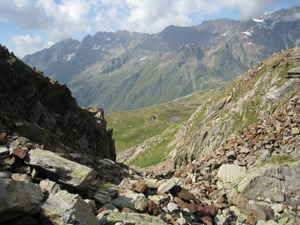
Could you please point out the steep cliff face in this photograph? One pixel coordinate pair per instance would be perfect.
(250, 98)
(44, 111)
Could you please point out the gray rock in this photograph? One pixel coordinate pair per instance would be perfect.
(132, 201)
(172, 207)
(4, 150)
(18, 198)
(131, 218)
(271, 181)
(166, 186)
(91, 203)
(66, 208)
(110, 206)
(49, 187)
(5, 174)
(220, 220)
(181, 221)
(231, 173)
(20, 177)
(244, 150)
(68, 172)
(101, 197)
(295, 130)
(269, 222)
(158, 199)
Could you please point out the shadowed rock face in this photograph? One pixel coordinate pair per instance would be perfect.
(44, 111)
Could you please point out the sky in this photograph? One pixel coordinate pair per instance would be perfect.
(28, 26)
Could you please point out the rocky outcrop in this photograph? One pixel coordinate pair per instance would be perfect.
(44, 111)
(251, 97)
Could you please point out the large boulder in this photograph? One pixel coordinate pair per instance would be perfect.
(271, 181)
(18, 198)
(229, 175)
(66, 208)
(61, 169)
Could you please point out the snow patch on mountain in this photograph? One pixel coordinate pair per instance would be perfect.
(247, 33)
(70, 56)
(258, 20)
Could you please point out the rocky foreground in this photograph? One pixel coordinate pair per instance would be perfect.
(253, 178)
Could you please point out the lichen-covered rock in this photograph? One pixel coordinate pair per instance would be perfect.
(132, 201)
(271, 182)
(64, 170)
(18, 198)
(231, 173)
(66, 208)
(131, 218)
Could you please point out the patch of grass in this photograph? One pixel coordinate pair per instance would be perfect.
(157, 153)
(103, 186)
(281, 159)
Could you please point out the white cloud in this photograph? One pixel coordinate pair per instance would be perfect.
(65, 18)
(291, 18)
(61, 20)
(57, 20)
(154, 15)
(28, 44)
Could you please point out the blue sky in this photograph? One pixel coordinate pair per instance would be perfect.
(28, 26)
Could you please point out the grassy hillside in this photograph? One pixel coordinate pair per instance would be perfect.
(153, 127)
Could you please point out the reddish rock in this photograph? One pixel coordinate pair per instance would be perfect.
(251, 219)
(182, 193)
(127, 210)
(102, 209)
(3, 136)
(188, 180)
(9, 161)
(140, 186)
(20, 152)
(206, 220)
(191, 207)
(221, 199)
(208, 210)
(171, 221)
(152, 208)
(241, 203)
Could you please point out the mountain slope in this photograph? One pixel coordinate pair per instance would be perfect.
(248, 99)
(219, 114)
(125, 70)
(44, 111)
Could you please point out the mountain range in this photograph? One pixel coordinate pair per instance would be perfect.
(127, 70)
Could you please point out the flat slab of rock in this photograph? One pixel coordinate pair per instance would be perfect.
(131, 218)
(66, 208)
(18, 198)
(66, 171)
(166, 186)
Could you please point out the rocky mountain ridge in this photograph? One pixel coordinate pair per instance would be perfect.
(128, 70)
(44, 111)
